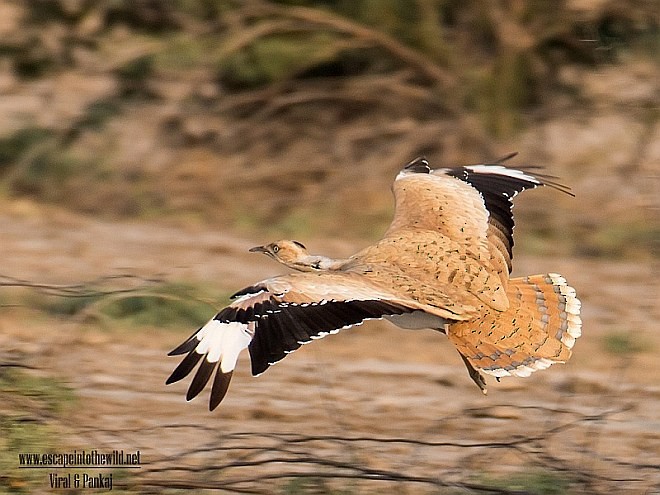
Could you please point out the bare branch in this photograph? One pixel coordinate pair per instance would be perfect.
(316, 17)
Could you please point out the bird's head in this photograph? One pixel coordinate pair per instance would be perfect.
(290, 253)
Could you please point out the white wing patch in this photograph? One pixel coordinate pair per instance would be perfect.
(223, 342)
(500, 170)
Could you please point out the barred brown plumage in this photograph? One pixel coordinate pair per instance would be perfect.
(443, 264)
(538, 329)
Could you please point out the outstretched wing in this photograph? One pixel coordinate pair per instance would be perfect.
(437, 202)
(439, 234)
(471, 205)
(274, 318)
(498, 185)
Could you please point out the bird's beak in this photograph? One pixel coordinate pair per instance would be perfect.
(258, 249)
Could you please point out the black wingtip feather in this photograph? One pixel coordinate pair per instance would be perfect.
(185, 347)
(506, 157)
(258, 363)
(531, 170)
(184, 368)
(219, 389)
(201, 379)
(252, 289)
(419, 165)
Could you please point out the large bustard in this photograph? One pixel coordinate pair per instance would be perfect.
(443, 264)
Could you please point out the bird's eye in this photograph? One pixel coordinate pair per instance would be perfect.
(276, 249)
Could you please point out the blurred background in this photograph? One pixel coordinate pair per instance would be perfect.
(146, 145)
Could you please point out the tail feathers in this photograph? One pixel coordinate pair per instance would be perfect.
(538, 330)
(217, 345)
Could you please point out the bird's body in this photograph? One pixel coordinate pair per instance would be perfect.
(443, 263)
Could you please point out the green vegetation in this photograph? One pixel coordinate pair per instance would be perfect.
(17, 436)
(174, 306)
(16, 145)
(46, 394)
(169, 305)
(312, 486)
(45, 175)
(134, 77)
(32, 412)
(532, 482)
(277, 58)
(624, 344)
(222, 89)
(97, 114)
(59, 305)
(617, 240)
(22, 431)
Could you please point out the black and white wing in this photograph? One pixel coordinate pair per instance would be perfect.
(498, 185)
(274, 318)
(475, 209)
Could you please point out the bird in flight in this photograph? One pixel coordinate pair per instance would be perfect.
(443, 263)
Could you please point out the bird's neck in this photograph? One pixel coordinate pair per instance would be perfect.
(315, 263)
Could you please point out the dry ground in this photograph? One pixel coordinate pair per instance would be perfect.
(374, 408)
